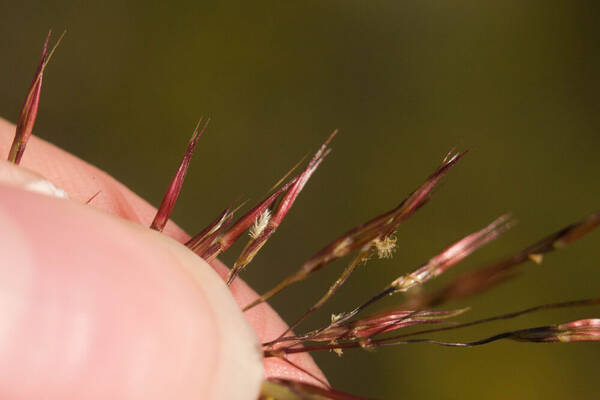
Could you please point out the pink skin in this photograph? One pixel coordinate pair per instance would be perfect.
(77, 259)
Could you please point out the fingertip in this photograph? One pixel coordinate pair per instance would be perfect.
(93, 307)
(269, 325)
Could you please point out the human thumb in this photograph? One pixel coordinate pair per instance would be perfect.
(95, 307)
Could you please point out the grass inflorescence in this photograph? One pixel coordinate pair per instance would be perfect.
(355, 328)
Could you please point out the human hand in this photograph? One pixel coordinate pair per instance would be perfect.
(95, 305)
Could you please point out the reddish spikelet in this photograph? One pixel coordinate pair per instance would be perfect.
(242, 224)
(290, 197)
(449, 257)
(480, 280)
(172, 193)
(257, 242)
(365, 236)
(381, 226)
(382, 322)
(29, 111)
(511, 315)
(201, 240)
(586, 330)
(452, 255)
(583, 330)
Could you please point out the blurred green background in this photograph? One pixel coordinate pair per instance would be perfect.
(516, 82)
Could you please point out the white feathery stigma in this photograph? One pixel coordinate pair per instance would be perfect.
(260, 224)
(385, 247)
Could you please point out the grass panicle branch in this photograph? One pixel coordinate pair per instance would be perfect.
(342, 325)
(585, 330)
(543, 307)
(438, 264)
(210, 247)
(364, 236)
(401, 318)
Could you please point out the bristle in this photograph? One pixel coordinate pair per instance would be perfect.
(172, 193)
(88, 201)
(286, 175)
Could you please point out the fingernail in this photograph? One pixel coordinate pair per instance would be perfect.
(45, 187)
(96, 307)
(14, 175)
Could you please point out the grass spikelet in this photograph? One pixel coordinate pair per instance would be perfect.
(452, 255)
(172, 193)
(223, 242)
(381, 322)
(583, 330)
(288, 199)
(29, 111)
(211, 241)
(202, 239)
